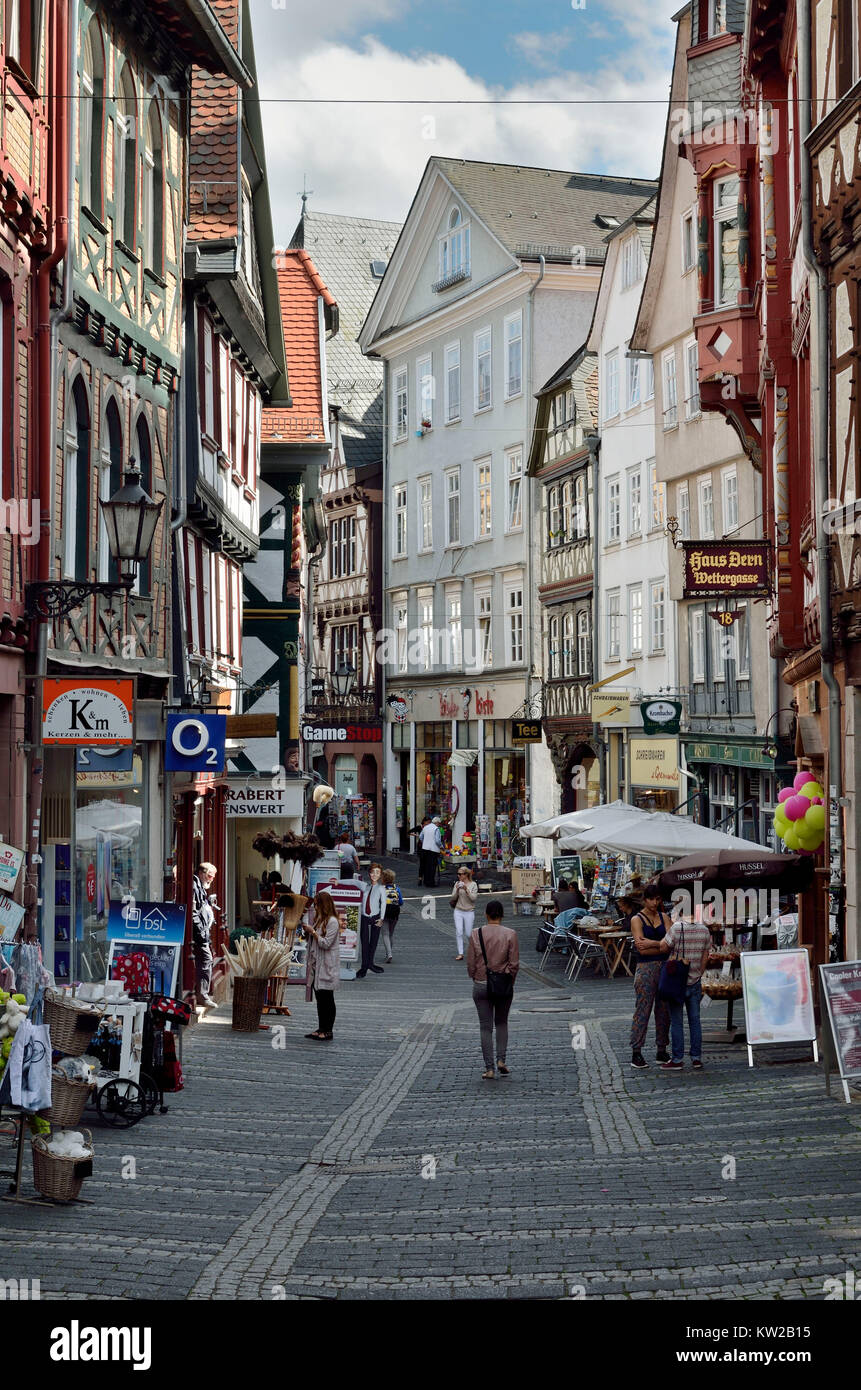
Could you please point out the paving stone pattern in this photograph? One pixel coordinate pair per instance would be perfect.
(382, 1166)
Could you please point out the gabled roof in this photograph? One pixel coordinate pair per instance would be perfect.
(644, 222)
(342, 248)
(541, 211)
(213, 155)
(580, 374)
(300, 288)
(195, 27)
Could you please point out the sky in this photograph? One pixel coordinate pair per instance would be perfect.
(612, 57)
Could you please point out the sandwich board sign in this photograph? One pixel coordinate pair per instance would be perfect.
(841, 989)
(778, 999)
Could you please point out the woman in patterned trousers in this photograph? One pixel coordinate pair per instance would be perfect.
(649, 927)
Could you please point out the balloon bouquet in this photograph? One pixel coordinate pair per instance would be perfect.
(799, 818)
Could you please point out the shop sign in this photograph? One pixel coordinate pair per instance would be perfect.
(726, 567)
(195, 743)
(526, 730)
(242, 800)
(841, 987)
(106, 774)
(654, 762)
(778, 999)
(11, 916)
(610, 709)
(742, 755)
(661, 716)
(343, 733)
(87, 711)
(398, 707)
(136, 920)
(11, 860)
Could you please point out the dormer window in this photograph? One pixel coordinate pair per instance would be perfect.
(453, 251)
(606, 220)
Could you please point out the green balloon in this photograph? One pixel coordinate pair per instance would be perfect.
(811, 789)
(815, 817)
(791, 838)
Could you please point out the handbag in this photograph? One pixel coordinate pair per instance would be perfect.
(673, 979)
(500, 985)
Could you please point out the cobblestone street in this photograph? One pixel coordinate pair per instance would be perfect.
(383, 1166)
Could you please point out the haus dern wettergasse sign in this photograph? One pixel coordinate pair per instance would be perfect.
(726, 567)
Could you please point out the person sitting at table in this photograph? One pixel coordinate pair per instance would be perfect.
(567, 895)
(690, 941)
(649, 925)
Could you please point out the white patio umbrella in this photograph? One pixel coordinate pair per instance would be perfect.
(573, 821)
(653, 832)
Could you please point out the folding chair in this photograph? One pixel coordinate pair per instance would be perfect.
(558, 935)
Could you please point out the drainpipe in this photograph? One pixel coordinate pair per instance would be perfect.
(820, 435)
(594, 443)
(527, 511)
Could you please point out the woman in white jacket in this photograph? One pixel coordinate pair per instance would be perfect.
(373, 916)
(463, 901)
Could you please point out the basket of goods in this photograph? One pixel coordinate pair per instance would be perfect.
(723, 954)
(61, 1163)
(255, 961)
(721, 987)
(71, 1086)
(72, 1022)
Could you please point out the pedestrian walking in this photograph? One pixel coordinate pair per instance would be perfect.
(324, 962)
(349, 857)
(493, 960)
(202, 918)
(418, 831)
(463, 901)
(690, 943)
(373, 916)
(394, 903)
(431, 844)
(649, 926)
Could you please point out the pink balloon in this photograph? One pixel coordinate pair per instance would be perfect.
(817, 801)
(785, 793)
(801, 778)
(796, 807)
(809, 852)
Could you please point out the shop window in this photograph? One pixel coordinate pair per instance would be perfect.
(110, 843)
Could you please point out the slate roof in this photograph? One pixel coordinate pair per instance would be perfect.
(342, 249)
(545, 211)
(299, 287)
(213, 193)
(581, 372)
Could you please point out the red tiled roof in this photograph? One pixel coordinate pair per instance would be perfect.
(214, 144)
(299, 287)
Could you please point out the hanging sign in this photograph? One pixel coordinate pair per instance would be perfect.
(11, 860)
(11, 916)
(146, 921)
(84, 711)
(841, 990)
(343, 733)
(726, 567)
(778, 999)
(195, 742)
(526, 730)
(610, 709)
(661, 716)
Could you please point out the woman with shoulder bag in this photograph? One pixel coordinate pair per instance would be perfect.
(649, 926)
(493, 960)
(463, 901)
(324, 963)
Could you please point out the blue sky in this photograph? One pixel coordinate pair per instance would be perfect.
(366, 159)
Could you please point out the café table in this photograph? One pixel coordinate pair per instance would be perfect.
(615, 944)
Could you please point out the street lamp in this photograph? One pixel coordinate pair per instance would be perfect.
(130, 518)
(343, 679)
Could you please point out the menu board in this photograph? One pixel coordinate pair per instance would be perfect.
(566, 866)
(778, 999)
(841, 989)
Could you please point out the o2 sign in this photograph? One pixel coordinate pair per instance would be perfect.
(195, 742)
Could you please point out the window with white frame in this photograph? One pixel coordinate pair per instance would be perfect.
(514, 473)
(425, 603)
(554, 516)
(454, 247)
(614, 624)
(484, 612)
(514, 623)
(614, 521)
(581, 516)
(483, 514)
(635, 502)
(424, 391)
(553, 652)
(633, 392)
(345, 648)
(399, 520)
(513, 355)
(483, 370)
(425, 518)
(658, 616)
(452, 506)
(656, 498)
(706, 508)
(730, 644)
(611, 385)
(631, 262)
(569, 651)
(584, 642)
(635, 619)
(717, 18)
(342, 547)
(399, 604)
(671, 401)
(649, 379)
(683, 510)
(689, 241)
(452, 382)
(729, 487)
(727, 281)
(454, 623)
(692, 380)
(400, 407)
(697, 636)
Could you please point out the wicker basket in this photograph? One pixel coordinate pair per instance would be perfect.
(59, 1178)
(68, 1099)
(248, 997)
(72, 1027)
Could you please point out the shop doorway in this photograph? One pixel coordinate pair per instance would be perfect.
(346, 779)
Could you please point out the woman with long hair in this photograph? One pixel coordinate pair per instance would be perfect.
(463, 901)
(324, 963)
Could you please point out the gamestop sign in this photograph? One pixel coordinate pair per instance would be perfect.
(342, 733)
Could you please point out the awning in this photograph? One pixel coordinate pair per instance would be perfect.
(752, 868)
(463, 757)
